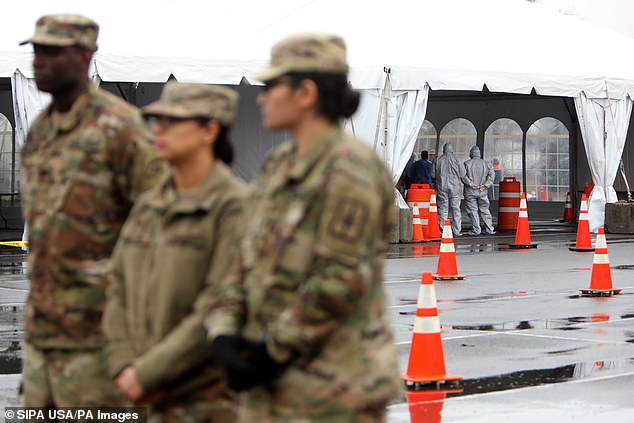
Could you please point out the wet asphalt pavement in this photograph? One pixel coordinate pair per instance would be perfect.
(529, 347)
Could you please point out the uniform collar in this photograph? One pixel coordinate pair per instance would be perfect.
(67, 121)
(302, 165)
(166, 195)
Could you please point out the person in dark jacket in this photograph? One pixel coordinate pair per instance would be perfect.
(420, 172)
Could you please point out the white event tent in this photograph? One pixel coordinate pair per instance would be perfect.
(398, 52)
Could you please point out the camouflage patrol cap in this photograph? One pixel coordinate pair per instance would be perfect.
(310, 52)
(65, 30)
(182, 100)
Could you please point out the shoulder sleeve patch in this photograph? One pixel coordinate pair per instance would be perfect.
(346, 226)
(347, 220)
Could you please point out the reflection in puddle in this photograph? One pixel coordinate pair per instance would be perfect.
(426, 406)
(10, 364)
(537, 377)
(568, 323)
(425, 250)
(11, 358)
(568, 350)
(624, 267)
(478, 248)
(12, 262)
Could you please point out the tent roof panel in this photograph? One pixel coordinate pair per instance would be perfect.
(509, 45)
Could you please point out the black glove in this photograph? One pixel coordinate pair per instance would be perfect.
(257, 354)
(231, 352)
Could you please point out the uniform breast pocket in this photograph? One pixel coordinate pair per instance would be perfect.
(186, 264)
(86, 178)
(297, 256)
(192, 250)
(136, 236)
(188, 241)
(80, 199)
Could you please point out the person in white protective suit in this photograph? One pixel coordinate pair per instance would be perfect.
(481, 174)
(450, 176)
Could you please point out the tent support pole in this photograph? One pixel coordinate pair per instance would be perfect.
(382, 107)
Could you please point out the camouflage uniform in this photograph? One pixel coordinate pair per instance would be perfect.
(82, 170)
(309, 282)
(172, 249)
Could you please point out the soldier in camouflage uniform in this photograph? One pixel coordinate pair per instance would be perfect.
(301, 327)
(174, 246)
(85, 160)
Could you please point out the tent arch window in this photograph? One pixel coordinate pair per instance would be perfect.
(503, 148)
(7, 166)
(462, 134)
(548, 160)
(427, 140)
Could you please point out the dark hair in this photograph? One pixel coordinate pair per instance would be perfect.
(424, 155)
(336, 99)
(222, 147)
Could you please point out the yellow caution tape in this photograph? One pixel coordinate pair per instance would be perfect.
(20, 244)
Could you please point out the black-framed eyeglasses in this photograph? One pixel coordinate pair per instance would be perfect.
(163, 121)
(275, 82)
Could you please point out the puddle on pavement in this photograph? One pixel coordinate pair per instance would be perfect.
(11, 358)
(419, 402)
(567, 323)
(428, 249)
(624, 267)
(12, 261)
(525, 378)
(11, 338)
(403, 279)
(10, 364)
(497, 296)
(478, 248)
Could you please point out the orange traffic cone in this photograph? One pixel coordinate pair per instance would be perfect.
(433, 228)
(417, 232)
(523, 234)
(568, 214)
(601, 279)
(447, 268)
(426, 366)
(583, 229)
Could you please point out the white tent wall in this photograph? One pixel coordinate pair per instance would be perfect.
(604, 125)
(28, 101)
(389, 121)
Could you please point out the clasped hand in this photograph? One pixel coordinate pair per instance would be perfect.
(129, 385)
